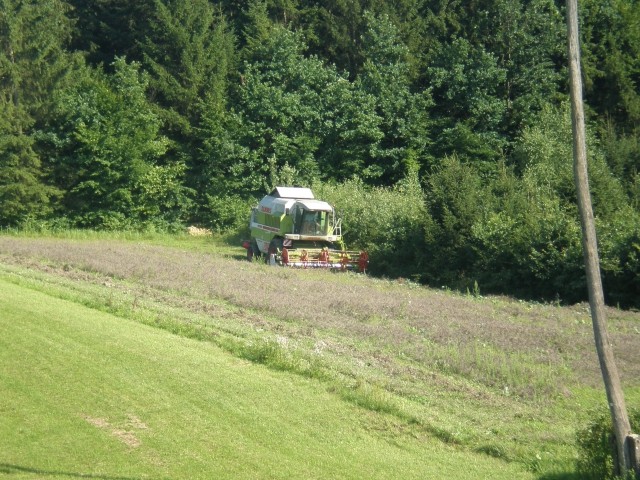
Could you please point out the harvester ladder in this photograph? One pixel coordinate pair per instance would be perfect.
(337, 228)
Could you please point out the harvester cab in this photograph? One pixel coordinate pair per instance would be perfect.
(290, 227)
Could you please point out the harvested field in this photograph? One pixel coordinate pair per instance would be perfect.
(386, 315)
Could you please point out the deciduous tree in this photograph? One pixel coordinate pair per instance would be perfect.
(108, 148)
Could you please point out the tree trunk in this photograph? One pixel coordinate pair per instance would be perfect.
(615, 396)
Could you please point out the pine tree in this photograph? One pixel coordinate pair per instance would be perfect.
(23, 193)
(33, 64)
(404, 114)
(105, 29)
(182, 54)
(528, 41)
(611, 58)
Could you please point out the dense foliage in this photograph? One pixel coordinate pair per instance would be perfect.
(597, 450)
(440, 129)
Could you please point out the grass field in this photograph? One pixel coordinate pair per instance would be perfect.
(126, 359)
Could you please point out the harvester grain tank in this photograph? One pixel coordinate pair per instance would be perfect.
(291, 227)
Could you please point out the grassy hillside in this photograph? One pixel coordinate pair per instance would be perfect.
(86, 393)
(125, 359)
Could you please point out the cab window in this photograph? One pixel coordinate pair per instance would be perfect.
(314, 223)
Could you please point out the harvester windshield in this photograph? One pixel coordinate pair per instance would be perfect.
(313, 223)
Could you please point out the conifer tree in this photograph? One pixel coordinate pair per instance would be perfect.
(23, 192)
(404, 114)
(190, 55)
(105, 29)
(33, 64)
(182, 54)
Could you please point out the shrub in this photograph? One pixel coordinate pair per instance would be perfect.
(596, 447)
(457, 200)
(227, 213)
(619, 244)
(387, 222)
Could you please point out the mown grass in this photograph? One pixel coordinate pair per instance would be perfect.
(88, 394)
(221, 244)
(505, 379)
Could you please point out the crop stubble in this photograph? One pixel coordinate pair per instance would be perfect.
(405, 330)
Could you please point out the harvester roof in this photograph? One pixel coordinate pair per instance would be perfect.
(316, 205)
(292, 192)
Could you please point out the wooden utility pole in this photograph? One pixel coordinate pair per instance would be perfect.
(615, 397)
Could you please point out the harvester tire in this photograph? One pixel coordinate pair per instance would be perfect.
(274, 246)
(252, 251)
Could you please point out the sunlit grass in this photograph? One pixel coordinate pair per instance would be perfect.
(89, 394)
(221, 243)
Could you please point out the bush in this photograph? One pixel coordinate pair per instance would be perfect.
(227, 213)
(457, 200)
(619, 244)
(596, 447)
(389, 223)
(531, 252)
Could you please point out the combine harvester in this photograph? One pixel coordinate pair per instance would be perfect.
(290, 227)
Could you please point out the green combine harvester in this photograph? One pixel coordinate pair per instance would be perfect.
(290, 227)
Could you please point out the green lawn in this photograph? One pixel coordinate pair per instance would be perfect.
(87, 394)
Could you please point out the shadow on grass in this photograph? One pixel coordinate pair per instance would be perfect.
(561, 476)
(8, 469)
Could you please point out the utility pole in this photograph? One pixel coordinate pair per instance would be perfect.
(622, 429)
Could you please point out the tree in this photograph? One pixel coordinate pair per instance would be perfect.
(352, 133)
(190, 55)
(527, 41)
(279, 110)
(543, 156)
(543, 152)
(187, 49)
(256, 28)
(105, 29)
(294, 110)
(497, 64)
(33, 64)
(469, 110)
(610, 34)
(527, 241)
(334, 29)
(457, 200)
(403, 114)
(108, 148)
(32, 53)
(23, 191)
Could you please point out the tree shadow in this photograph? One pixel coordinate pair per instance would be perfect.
(9, 469)
(561, 476)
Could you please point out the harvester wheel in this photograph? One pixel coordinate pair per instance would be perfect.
(274, 246)
(252, 251)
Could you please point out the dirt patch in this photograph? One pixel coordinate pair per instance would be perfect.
(125, 433)
(97, 422)
(126, 437)
(135, 422)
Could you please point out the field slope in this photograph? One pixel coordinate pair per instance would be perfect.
(84, 393)
(123, 359)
